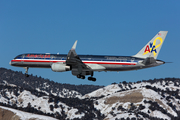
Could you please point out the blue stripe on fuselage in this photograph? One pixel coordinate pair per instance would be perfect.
(82, 57)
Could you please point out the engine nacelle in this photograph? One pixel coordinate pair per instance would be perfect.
(59, 67)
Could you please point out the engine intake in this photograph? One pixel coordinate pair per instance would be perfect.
(60, 67)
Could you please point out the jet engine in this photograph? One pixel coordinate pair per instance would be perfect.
(60, 67)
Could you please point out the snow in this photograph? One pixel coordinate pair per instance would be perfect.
(45, 85)
(103, 91)
(147, 93)
(3, 100)
(125, 105)
(42, 91)
(159, 114)
(71, 114)
(27, 116)
(6, 83)
(69, 93)
(121, 115)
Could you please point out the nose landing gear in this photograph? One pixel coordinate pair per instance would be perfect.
(26, 72)
(26, 75)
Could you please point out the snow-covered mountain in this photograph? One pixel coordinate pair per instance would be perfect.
(48, 104)
(153, 99)
(7, 113)
(157, 99)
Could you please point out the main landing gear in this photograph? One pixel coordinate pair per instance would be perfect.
(26, 72)
(89, 78)
(81, 76)
(92, 79)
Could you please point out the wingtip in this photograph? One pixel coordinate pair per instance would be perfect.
(74, 46)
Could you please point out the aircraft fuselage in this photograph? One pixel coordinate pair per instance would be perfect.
(110, 63)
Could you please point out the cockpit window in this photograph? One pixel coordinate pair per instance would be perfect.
(18, 57)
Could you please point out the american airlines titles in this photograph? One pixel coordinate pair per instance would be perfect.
(37, 56)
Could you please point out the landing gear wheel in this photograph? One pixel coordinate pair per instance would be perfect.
(78, 76)
(92, 79)
(26, 75)
(81, 76)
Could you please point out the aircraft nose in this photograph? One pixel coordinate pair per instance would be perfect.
(10, 63)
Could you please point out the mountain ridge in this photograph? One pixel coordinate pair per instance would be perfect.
(157, 99)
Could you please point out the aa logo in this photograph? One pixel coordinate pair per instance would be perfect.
(151, 48)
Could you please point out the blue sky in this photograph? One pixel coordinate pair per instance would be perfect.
(102, 27)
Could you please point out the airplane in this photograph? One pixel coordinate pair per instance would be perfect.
(82, 65)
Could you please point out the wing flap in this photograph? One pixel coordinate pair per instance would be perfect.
(96, 67)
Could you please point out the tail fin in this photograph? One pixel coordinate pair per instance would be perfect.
(152, 48)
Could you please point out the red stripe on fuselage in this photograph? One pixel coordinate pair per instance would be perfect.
(112, 63)
(86, 62)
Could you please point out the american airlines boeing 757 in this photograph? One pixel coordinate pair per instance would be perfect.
(82, 65)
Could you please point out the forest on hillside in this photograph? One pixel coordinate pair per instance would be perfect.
(33, 82)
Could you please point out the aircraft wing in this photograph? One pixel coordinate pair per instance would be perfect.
(75, 62)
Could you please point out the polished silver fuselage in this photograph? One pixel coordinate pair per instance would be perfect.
(101, 63)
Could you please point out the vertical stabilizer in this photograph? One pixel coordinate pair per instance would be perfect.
(152, 48)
